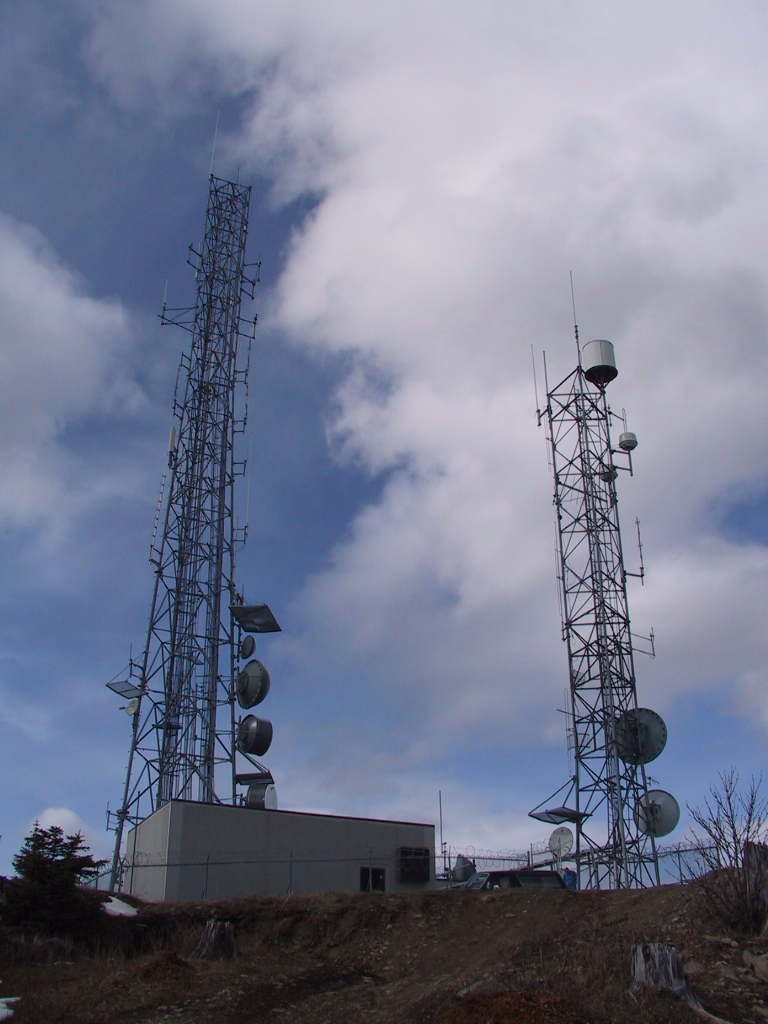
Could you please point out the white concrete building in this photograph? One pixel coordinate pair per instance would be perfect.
(189, 851)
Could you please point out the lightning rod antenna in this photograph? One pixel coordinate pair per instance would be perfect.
(535, 387)
(640, 549)
(213, 147)
(575, 325)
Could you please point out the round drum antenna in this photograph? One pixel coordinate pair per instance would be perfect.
(254, 735)
(252, 684)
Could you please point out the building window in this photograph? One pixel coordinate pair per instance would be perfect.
(371, 879)
(413, 864)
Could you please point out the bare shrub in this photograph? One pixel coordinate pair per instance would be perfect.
(730, 832)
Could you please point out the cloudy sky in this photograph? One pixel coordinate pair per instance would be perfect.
(425, 177)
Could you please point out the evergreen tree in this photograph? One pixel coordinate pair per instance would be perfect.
(47, 895)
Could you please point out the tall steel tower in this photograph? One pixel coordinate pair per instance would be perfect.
(185, 736)
(616, 817)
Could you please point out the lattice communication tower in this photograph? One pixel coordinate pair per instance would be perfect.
(182, 692)
(616, 816)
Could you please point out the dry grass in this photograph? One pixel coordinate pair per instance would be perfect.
(510, 1008)
(394, 959)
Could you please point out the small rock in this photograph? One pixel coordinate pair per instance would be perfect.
(721, 938)
(759, 964)
(693, 968)
(487, 985)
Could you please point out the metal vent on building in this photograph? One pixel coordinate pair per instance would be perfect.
(413, 864)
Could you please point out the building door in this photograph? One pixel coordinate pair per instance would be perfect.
(372, 880)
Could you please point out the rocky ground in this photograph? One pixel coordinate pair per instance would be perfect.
(450, 957)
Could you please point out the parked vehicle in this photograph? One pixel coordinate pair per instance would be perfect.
(521, 878)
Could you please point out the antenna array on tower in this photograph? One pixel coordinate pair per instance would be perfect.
(607, 798)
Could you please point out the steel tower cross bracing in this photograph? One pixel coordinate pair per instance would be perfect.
(184, 724)
(608, 784)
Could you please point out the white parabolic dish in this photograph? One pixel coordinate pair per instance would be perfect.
(561, 841)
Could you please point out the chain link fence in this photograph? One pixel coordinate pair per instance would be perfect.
(678, 862)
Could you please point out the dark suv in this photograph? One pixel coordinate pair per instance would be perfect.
(518, 879)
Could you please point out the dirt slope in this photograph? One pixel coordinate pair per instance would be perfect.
(448, 957)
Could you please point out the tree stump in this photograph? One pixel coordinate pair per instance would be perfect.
(659, 968)
(218, 939)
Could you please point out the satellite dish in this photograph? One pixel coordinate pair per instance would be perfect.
(132, 707)
(254, 735)
(247, 647)
(463, 869)
(561, 841)
(657, 813)
(252, 684)
(641, 735)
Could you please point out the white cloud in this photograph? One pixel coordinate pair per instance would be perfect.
(34, 721)
(63, 357)
(71, 823)
(467, 159)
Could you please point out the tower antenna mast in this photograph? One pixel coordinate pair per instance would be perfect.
(185, 738)
(616, 817)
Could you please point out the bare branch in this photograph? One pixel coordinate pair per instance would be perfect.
(730, 836)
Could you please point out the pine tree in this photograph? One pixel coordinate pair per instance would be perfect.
(47, 895)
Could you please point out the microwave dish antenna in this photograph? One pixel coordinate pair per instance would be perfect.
(657, 813)
(561, 842)
(252, 684)
(254, 735)
(247, 646)
(641, 735)
(261, 796)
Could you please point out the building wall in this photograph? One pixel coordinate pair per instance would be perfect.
(192, 851)
(147, 856)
